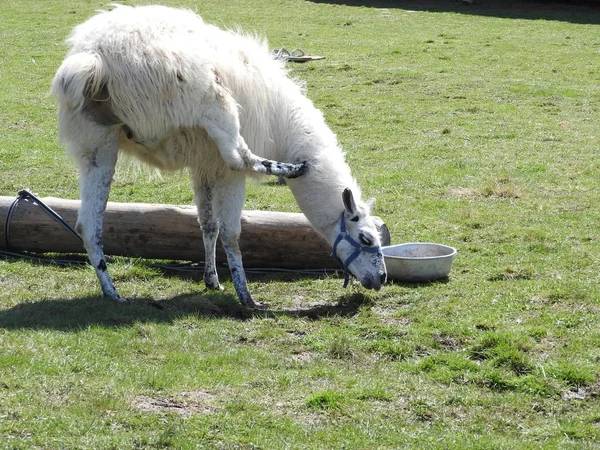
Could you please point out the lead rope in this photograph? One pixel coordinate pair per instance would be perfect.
(27, 194)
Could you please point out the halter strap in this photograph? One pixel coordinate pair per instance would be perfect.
(358, 249)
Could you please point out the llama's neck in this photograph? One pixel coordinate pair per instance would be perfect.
(305, 136)
(319, 194)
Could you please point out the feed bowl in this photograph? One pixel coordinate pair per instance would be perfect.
(419, 261)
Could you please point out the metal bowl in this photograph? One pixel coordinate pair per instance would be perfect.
(418, 261)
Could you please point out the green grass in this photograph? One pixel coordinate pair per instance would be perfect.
(473, 126)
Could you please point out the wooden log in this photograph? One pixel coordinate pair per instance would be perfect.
(268, 239)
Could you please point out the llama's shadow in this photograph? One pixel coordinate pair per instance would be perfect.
(82, 312)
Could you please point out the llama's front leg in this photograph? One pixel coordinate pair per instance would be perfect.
(223, 128)
(96, 169)
(242, 155)
(229, 199)
(239, 157)
(210, 230)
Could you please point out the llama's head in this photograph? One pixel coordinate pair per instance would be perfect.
(358, 245)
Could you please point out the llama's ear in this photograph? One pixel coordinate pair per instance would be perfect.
(348, 199)
(370, 204)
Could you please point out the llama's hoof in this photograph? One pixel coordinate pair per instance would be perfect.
(247, 301)
(214, 287)
(212, 283)
(260, 306)
(116, 297)
(299, 170)
(256, 306)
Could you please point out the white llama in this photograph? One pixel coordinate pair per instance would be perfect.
(161, 84)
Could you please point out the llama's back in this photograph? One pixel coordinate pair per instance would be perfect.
(164, 68)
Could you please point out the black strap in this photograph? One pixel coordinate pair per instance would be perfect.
(27, 194)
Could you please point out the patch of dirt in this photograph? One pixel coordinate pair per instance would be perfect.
(387, 315)
(583, 393)
(579, 394)
(302, 356)
(513, 274)
(448, 342)
(461, 192)
(185, 404)
(565, 124)
(499, 189)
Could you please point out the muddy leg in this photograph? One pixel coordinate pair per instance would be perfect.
(96, 169)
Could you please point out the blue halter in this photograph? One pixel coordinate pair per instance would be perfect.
(358, 249)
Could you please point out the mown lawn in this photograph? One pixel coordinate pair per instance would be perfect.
(474, 126)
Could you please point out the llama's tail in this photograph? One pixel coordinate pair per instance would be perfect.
(80, 76)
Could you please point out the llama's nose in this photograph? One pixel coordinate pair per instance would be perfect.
(383, 277)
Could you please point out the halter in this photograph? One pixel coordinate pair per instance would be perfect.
(358, 249)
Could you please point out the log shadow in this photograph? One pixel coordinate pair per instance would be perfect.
(80, 313)
(184, 270)
(195, 272)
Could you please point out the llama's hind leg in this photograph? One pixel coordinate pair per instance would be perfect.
(219, 208)
(223, 127)
(209, 224)
(97, 162)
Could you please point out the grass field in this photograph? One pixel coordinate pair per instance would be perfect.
(474, 126)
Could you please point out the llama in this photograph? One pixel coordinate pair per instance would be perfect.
(162, 85)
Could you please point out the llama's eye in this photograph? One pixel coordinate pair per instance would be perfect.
(365, 240)
(355, 219)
